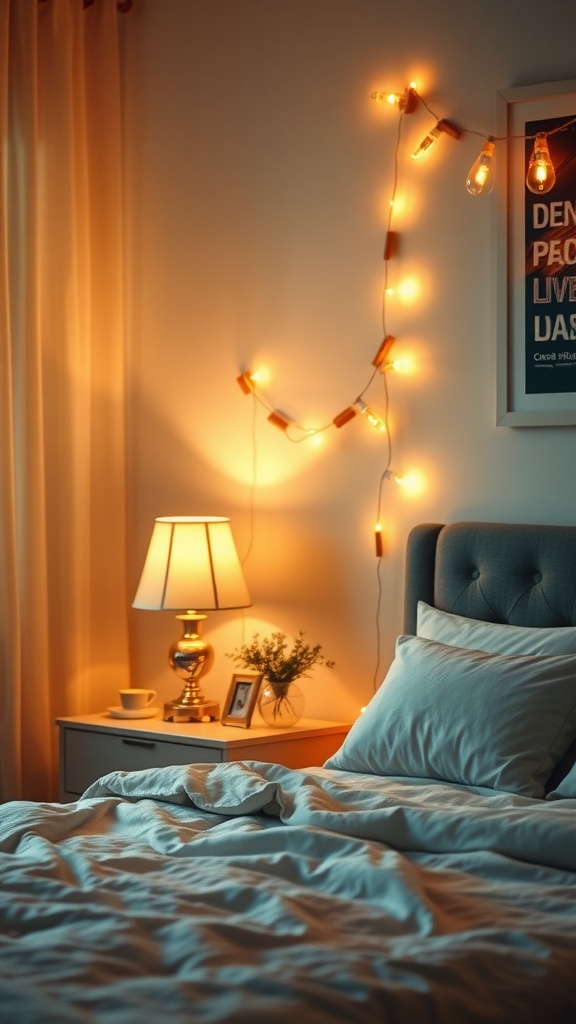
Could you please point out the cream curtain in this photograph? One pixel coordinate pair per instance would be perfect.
(63, 599)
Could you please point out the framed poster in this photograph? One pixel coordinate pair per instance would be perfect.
(536, 293)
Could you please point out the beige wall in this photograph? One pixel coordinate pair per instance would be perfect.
(259, 173)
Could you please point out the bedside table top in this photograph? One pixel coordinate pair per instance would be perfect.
(209, 734)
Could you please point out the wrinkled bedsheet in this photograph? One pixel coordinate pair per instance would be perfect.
(247, 892)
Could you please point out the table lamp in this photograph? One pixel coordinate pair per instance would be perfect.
(191, 564)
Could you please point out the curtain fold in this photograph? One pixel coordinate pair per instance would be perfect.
(63, 597)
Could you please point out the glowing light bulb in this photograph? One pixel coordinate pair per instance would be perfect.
(402, 364)
(409, 289)
(313, 438)
(411, 483)
(389, 474)
(386, 97)
(378, 540)
(405, 101)
(480, 180)
(541, 175)
(248, 380)
(261, 375)
(427, 142)
(441, 126)
(373, 418)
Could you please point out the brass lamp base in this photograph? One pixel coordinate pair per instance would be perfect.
(175, 712)
(189, 657)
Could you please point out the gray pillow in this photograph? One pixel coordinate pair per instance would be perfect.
(465, 716)
(566, 789)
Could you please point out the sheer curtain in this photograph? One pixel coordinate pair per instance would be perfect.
(63, 598)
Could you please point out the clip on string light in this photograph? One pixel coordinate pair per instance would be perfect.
(433, 134)
(382, 363)
(540, 179)
(541, 173)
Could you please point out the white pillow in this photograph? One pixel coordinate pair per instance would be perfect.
(466, 717)
(493, 637)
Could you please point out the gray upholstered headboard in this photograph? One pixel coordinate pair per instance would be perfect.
(498, 572)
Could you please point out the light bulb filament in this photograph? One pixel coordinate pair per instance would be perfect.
(541, 175)
(480, 180)
(374, 419)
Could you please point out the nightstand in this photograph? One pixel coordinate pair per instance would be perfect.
(93, 745)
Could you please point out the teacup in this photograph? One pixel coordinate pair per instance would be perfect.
(135, 700)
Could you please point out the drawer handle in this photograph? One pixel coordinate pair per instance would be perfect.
(139, 743)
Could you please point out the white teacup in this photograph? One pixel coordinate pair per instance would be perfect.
(134, 699)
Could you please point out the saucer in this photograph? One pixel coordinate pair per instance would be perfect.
(120, 712)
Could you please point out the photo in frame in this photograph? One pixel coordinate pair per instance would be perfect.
(536, 293)
(241, 699)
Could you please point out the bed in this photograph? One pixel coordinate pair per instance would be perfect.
(426, 874)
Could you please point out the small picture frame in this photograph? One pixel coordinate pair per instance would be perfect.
(241, 699)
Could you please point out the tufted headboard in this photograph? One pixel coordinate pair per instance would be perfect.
(499, 572)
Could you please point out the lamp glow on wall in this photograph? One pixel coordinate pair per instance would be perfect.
(192, 567)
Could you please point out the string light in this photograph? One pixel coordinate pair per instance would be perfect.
(277, 419)
(440, 127)
(374, 419)
(344, 417)
(401, 364)
(540, 179)
(411, 483)
(382, 353)
(314, 438)
(541, 175)
(389, 474)
(391, 244)
(409, 289)
(382, 362)
(246, 382)
(480, 180)
(406, 101)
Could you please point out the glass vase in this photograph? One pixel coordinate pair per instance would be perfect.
(280, 704)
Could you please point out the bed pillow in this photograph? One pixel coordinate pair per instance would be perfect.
(566, 789)
(465, 716)
(493, 637)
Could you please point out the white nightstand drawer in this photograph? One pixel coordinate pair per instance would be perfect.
(95, 744)
(88, 755)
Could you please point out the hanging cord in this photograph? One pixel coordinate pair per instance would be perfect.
(253, 483)
(252, 503)
(386, 471)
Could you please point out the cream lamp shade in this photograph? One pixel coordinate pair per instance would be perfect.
(192, 563)
(192, 566)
